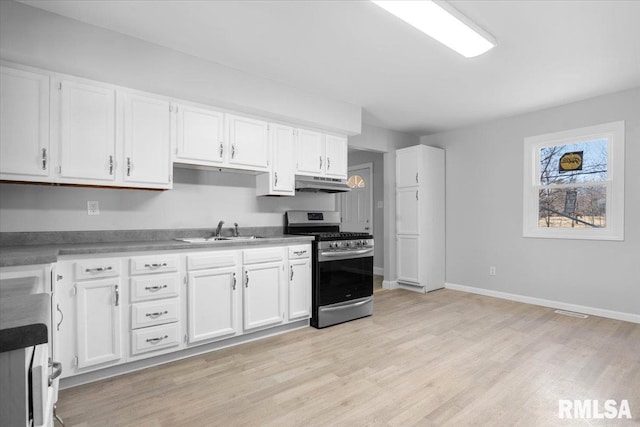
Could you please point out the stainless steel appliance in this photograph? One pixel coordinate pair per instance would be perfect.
(342, 267)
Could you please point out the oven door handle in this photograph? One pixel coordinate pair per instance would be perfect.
(343, 253)
(342, 307)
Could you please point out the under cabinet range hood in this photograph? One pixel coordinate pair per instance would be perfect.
(317, 184)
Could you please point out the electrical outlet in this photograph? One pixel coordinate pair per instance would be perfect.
(492, 271)
(93, 207)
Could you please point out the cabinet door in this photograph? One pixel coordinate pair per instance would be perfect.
(407, 164)
(87, 132)
(147, 141)
(261, 293)
(309, 152)
(98, 322)
(248, 141)
(336, 155)
(283, 158)
(24, 129)
(408, 210)
(299, 289)
(200, 136)
(212, 303)
(408, 259)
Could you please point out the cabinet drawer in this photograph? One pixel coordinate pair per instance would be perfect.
(154, 287)
(152, 313)
(96, 268)
(212, 260)
(154, 338)
(154, 264)
(299, 251)
(254, 256)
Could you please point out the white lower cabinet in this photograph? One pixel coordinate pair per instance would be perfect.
(109, 311)
(213, 303)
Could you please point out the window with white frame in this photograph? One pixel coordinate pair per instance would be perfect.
(574, 184)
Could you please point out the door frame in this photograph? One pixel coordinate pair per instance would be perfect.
(369, 166)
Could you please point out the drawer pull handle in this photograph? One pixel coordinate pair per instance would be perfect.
(97, 269)
(299, 252)
(156, 314)
(155, 265)
(154, 288)
(156, 340)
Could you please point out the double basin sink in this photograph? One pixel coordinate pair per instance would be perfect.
(216, 238)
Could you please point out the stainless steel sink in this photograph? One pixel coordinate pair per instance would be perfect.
(214, 239)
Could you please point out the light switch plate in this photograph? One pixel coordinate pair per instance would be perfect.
(93, 207)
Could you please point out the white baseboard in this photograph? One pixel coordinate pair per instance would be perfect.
(389, 284)
(617, 315)
(378, 271)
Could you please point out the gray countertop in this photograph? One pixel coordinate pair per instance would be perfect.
(45, 254)
(24, 321)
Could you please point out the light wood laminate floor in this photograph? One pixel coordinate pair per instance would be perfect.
(444, 358)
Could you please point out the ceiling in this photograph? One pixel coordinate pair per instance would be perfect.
(548, 53)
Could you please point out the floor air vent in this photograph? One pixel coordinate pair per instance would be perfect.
(571, 314)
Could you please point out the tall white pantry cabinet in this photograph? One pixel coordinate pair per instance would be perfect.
(420, 218)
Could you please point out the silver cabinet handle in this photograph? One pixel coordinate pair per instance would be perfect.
(44, 159)
(156, 340)
(61, 317)
(417, 195)
(320, 162)
(328, 163)
(234, 281)
(154, 288)
(156, 314)
(233, 150)
(57, 371)
(246, 282)
(117, 296)
(276, 175)
(221, 149)
(416, 177)
(155, 265)
(128, 166)
(110, 165)
(98, 269)
(299, 252)
(291, 272)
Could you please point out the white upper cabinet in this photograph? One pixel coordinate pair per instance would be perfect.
(200, 136)
(147, 141)
(407, 175)
(336, 156)
(320, 154)
(309, 152)
(280, 181)
(24, 125)
(87, 136)
(248, 142)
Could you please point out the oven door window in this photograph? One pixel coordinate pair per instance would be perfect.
(344, 280)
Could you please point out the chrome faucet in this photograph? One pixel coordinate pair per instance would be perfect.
(219, 229)
(235, 225)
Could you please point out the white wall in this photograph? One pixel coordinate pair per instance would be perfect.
(34, 37)
(484, 212)
(199, 200)
(386, 141)
(377, 160)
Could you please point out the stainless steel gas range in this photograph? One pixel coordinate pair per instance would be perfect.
(342, 267)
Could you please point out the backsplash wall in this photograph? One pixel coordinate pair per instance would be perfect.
(199, 199)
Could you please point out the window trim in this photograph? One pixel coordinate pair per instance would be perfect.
(614, 132)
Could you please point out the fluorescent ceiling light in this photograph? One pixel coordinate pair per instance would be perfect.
(442, 22)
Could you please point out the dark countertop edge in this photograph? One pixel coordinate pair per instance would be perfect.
(23, 337)
(24, 321)
(32, 254)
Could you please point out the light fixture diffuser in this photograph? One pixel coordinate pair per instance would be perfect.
(442, 22)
